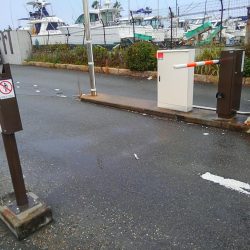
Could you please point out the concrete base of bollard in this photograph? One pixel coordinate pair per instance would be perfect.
(24, 221)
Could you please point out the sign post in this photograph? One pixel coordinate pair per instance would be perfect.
(10, 122)
(24, 213)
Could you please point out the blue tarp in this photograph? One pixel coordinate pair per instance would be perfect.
(147, 10)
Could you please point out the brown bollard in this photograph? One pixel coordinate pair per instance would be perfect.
(23, 212)
(15, 169)
(10, 122)
(230, 83)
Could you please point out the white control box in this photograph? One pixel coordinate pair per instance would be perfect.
(175, 86)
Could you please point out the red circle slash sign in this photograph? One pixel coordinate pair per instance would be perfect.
(6, 87)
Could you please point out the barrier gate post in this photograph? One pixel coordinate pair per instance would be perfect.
(25, 213)
(230, 82)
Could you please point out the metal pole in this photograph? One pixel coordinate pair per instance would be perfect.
(171, 28)
(89, 47)
(128, 10)
(221, 19)
(247, 38)
(158, 9)
(15, 169)
(133, 23)
(176, 8)
(104, 32)
(205, 13)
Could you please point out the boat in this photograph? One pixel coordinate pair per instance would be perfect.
(108, 28)
(43, 27)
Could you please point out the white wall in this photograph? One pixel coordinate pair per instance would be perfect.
(15, 46)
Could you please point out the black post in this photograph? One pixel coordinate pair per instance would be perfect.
(133, 23)
(171, 28)
(176, 7)
(221, 19)
(104, 32)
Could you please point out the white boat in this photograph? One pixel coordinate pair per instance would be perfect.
(43, 27)
(108, 28)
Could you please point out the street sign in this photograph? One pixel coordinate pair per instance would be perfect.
(6, 89)
(10, 120)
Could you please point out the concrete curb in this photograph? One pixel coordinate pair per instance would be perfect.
(197, 116)
(104, 70)
(123, 72)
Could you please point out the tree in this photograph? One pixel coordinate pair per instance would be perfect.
(117, 5)
(95, 5)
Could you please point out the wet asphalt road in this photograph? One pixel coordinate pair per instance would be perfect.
(204, 94)
(80, 158)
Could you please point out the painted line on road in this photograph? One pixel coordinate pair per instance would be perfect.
(232, 184)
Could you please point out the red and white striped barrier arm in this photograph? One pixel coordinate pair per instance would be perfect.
(195, 64)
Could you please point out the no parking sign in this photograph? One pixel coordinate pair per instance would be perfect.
(6, 89)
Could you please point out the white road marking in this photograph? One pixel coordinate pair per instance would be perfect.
(136, 157)
(35, 85)
(38, 91)
(205, 133)
(63, 96)
(232, 184)
(57, 89)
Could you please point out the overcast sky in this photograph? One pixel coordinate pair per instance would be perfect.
(69, 10)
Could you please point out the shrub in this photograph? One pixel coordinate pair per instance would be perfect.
(118, 58)
(208, 53)
(100, 56)
(247, 49)
(141, 56)
(246, 72)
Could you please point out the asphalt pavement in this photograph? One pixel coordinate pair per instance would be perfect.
(122, 180)
(204, 94)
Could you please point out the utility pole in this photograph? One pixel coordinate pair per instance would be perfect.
(133, 23)
(128, 10)
(171, 28)
(89, 47)
(247, 38)
(158, 8)
(176, 8)
(221, 19)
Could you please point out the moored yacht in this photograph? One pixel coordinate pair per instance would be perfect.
(42, 26)
(108, 28)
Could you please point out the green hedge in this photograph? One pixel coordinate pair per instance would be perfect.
(140, 56)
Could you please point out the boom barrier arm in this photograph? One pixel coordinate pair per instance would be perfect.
(195, 64)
